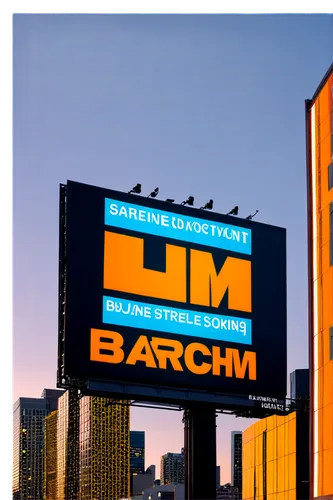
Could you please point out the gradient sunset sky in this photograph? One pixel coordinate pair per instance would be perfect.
(204, 105)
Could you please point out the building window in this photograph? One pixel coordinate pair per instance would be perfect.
(331, 342)
(331, 233)
(330, 176)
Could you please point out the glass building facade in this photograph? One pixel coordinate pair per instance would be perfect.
(137, 457)
(87, 452)
(28, 444)
(104, 449)
(172, 468)
(50, 456)
(137, 452)
(319, 148)
(299, 384)
(29, 415)
(68, 446)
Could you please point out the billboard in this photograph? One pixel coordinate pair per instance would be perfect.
(167, 296)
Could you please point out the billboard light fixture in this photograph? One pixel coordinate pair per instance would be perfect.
(189, 201)
(250, 217)
(136, 189)
(234, 211)
(208, 206)
(169, 200)
(154, 193)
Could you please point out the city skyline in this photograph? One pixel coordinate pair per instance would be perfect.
(222, 100)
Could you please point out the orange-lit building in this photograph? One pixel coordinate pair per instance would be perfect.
(87, 449)
(67, 451)
(50, 456)
(319, 135)
(276, 458)
(104, 441)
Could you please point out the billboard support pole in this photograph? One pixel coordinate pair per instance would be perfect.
(200, 452)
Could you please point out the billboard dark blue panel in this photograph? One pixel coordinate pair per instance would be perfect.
(165, 295)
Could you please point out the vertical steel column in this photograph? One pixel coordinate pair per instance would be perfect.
(200, 452)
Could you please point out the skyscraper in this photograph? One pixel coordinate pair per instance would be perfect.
(137, 452)
(50, 456)
(28, 442)
(92, 449)
(104, 449)
(236, 461)
(68, 422)
(299, 383)
(319, 152)
(172, 468)
(52, 396)
(137, 457)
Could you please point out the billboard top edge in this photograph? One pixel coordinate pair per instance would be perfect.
(322, 83)
(192, 210)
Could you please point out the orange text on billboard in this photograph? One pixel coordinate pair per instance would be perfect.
(155, 353)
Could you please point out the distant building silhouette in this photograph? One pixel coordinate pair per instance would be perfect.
(218, 476)
(137, 452)
(141, 482)
(170, 491)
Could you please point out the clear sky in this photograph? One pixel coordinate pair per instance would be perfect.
(210, 106)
